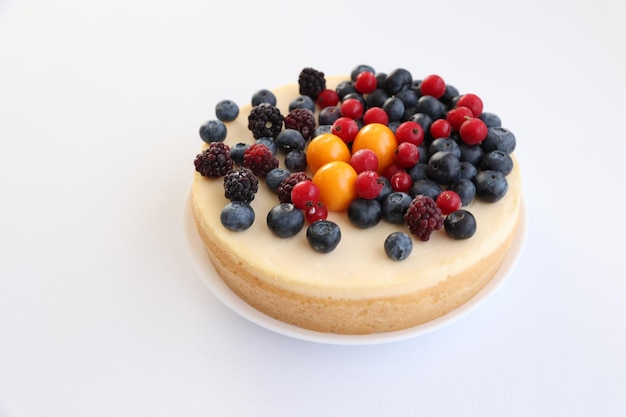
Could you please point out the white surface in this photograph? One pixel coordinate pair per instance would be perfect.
(101, 310)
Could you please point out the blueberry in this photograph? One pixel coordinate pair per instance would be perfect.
(491, 186)
(499, 138)
(263, 96)
(322, 129)
(393, 126)
(398, 246)
(418, 171)
(213, 131)
(289, 140)
(490, 119)
(468, 171)
(377, 98)
(394, 107)
(498, 161)
(465, 188)
(460, 224)
(397, 80)
(425, 186)
(226, 110)
(408, 97)
(423, 120)
(380, 79)
(295, 160)
(302, 102)
(444, 167)
(359, 69)
(386, 190)
(275, 177)
(323, 236)
(470, 153)
(445, 145)
(237, 216)
(451, 94)
(394, 207)
(344, 88)
(285, 220)
(423, 153)
(364, 213)
(431, 106)
(357, 96)
(269, 142)
(237, 151)
(328, 115)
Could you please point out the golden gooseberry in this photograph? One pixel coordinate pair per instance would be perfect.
(325, 148)
(336, 181)
(380, 139)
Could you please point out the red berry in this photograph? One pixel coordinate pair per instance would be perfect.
(364, 160)
(448, 201)
(304, 192)
(365, 82)
(368, 184)
(472, 102)
(346, 128)
(375, 115)
(410, 131)
(327, 98)
(391, 170)
(352, 108)
(407, 155)
(473, 131)
(401, 182)
(457, 116)
(433, 85)
(315, 211)
(440, 128)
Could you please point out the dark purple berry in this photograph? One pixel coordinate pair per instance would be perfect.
(323, 236)
(398, 246)
(460, 224)
(423, 217)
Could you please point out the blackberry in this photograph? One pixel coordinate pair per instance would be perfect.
(265, 120)
(285, 187)
(259, 159)
(240, 185)
(311, 82)
(215, 161)
(302, 120)
(423, 217)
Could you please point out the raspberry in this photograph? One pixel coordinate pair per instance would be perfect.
(302, 120)
(423, 217)
(311, 82)
(215, 161)
(285, 187)
(265, 121)
(240, 185)
(259, 159)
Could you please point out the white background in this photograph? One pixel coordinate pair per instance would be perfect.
(101, 310)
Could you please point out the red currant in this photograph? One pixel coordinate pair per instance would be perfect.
(472, 102)
(364, 160)
(440, 128)
(346, 128)
(304, 192)
(457, 116)
(391, 170)
(433, 85)
(352, 108)
(375, 115)
(401, 182)
(365, 82)
(407, 155)
(410, 131)
(327, 98)
(448, 201)
(473, 131)
(315, 211)
(368, 184)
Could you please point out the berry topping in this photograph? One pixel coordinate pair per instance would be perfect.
(473, 131)
(295, 160)
(346, 128)
(259, 159)
(433, 85)
(401, 181)
(237, 151)
(275, 177)
(286, 186)
(311, 82)
(352, 108)
(365, 82)
(323, 236)
(289, 140)
(213, 131)
(375, 115)
(237, 216)
(215, 161)
(457, 116)
(364, 213)
(303, 193)
(460, 224)
(302, 102)
(472, 102)
(398, 246)
(448, 201)
(337, 183)
(265, 120)
(263, 96)
(240, 185)
(491, 186)
(315, 211)
(407, 154)
(226, 110)
(327, 98)
(423, 217)
(364, 160)
(285, 220)
(410, 131)
(394, 207)
(302, 120)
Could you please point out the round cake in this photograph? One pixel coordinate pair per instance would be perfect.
(356, 287)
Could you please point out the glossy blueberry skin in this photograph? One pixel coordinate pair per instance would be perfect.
(269, 142)
(285, 220)
(263, 96)
(321, 129)
(418, 171)
(394, 107)
(397, 80)
(289, 140)
(395, 206)
(344, 88)
(237, 216)
(387, 189)
(423, 120)
(323, 235)
(431, 106)
(470, 153)
(451, 94)
(237, 151)
(359, 69)
(275, 177)
(468, 171)
(491, 186)
(408, 97)
(377, 98)
(425, 186)
(460, 224)
(499, 138)
(465, 188)
(226, 110)
(295, 160)
(490, 119)
(364, 213)
(328, 115)
(213, 131)
(444, 167)
(398, 246)
(498, 161)
(302, 102)
(444, 145)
